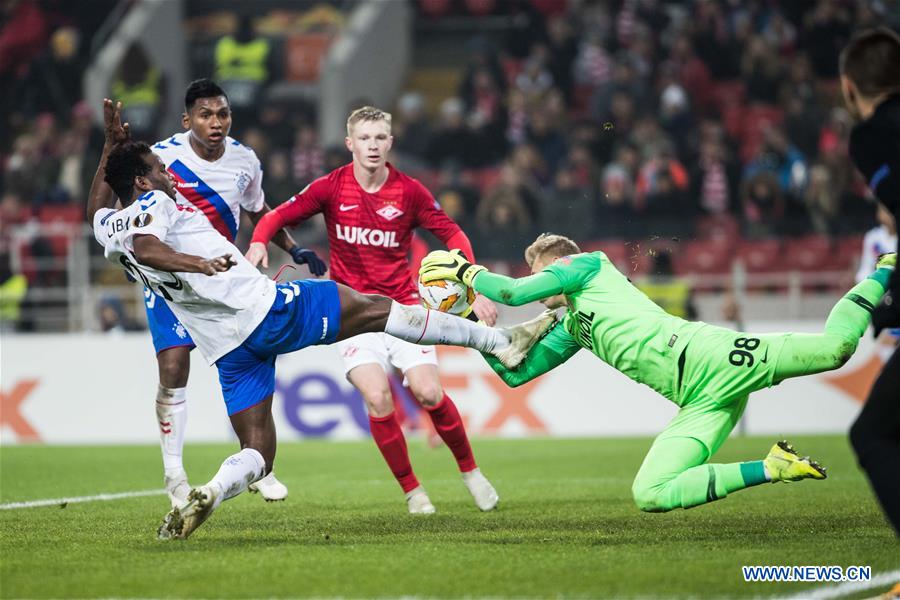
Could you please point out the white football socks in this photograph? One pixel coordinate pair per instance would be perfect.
(237, 473)
(421, 326)
(171, 416)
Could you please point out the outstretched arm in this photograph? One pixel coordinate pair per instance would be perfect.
(553, 350)
(286, 242)
(151, 252)
(516, 292)
(101, 195)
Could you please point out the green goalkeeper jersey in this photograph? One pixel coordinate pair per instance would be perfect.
(607, 315)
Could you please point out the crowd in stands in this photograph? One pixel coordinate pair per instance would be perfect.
(622, 120)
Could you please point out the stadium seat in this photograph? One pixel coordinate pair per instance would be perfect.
(847, 252)
(65, 213)
(761, 256)
(718, 227)
(615, 250)
(705, 257)
(809, 253)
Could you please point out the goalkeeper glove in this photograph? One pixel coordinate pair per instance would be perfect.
(451, 265)
(303, 256)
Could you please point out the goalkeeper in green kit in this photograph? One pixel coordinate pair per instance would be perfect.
(707, 371)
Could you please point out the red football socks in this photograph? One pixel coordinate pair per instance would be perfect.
(450, 427)
(389, 438)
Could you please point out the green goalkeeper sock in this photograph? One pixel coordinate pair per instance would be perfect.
(655, 489)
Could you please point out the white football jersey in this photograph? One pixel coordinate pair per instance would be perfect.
(219, 311)
(218, 189)
(877, 242)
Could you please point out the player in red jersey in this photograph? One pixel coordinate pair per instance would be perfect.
(371, 210)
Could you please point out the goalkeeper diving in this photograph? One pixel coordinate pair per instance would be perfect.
(708, 371)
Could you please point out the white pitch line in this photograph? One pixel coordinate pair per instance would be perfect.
(76, 499)
(845, 589)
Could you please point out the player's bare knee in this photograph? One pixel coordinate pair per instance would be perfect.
(379, 402)
(174, 366)
(428, 394)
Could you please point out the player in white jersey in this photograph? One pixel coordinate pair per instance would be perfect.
(217, 176)
(241, 320)
(877, 241)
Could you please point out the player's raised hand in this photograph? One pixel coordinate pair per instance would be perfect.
(452, 265)
(485, 310)
(114, 131)
(257, 254)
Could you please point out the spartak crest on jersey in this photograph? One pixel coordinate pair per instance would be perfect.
(389, 212)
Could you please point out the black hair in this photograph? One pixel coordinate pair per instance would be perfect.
(872, 61)
(125, 162)
(201, 88)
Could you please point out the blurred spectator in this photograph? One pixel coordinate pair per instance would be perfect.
(256, 140)
(546, 138)
(673, 294)
(531, 169)
(822, 199)
(802, 124)
(625, 82)
(141, 87)
(278, 184)
(778, 156)
(763, 204)
(661, 183)
(112, 318)
(534, 79)
(307, 157)
(713, 180)
(674, 111)
(879, 240)
(572, 205)
(411, 130)
(517, 117)
(242, 68)
(582, 170)
(690, 71)
(456, 195)
(593, 64)
(562, 48)
(482, 56)
(826, 31)
(453, 141)
(505, 206)
(487, 117)
(13, 288)
(615, 211)
(718, 51)
(761, 70)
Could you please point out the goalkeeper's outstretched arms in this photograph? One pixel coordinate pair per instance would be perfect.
(552, 350)
(454, 266)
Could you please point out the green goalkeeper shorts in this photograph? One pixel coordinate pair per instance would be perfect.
(718, 369)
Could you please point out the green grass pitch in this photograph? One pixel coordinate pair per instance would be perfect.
(566, 526)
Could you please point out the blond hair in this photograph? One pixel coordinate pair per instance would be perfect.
(552, 245)
(367, 113)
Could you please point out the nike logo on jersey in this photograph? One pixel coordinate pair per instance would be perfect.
(346, 207)
(765, 357)
(365, 236)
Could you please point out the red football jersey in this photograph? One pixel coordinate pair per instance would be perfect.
(370, 234)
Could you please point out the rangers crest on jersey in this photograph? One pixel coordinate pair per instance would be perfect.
(389, 212)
